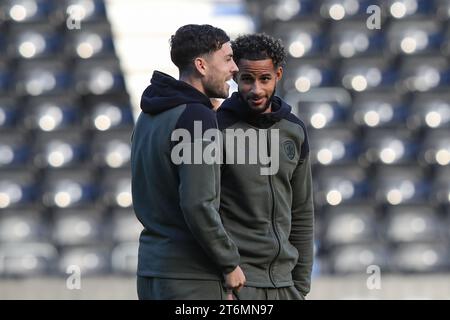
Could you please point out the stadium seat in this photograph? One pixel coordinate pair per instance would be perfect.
(125, 226)
(63, 148)
(390, 146)
(27, 259)
(400, 184)
(52, 113)
(116, 188)
(66, 188)
(23, 225)
(418, 223)
(334, 146)
(379, 109)
(78, 227)
(15, 150)
(112, 148)
(421, 257)
(357, 258)
(92, 260)
(341, 184)
(350, 224)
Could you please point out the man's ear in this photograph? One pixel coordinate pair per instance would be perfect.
(279, 73)
(200, 65)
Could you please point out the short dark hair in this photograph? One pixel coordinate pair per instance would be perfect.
(259, 46)
(193, 40)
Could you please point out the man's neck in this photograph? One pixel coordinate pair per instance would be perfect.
(194, 82)
(269, 109)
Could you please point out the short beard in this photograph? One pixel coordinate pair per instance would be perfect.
(213, 91)
(266, 106)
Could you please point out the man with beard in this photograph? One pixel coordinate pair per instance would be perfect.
(270, 217)
(184, 251)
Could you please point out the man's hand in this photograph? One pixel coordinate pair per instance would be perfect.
(235, 280)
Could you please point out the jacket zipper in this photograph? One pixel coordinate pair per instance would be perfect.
(272, 214)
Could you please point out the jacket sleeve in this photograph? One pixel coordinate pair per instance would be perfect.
(199, 189)
(302, 229)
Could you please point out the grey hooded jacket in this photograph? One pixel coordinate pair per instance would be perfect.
(269, 217)
(183, 236)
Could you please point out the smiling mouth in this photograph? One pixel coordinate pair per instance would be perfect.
(257, 101)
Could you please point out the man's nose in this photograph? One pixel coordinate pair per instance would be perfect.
(256, 89)
(234, 68)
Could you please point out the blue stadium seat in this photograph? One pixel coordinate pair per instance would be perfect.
(341, 184)
(353, 39)
(6, 78)
(418, 223)
(112, 148)
(421, 257)
(18, 188)
(116, 188)
(78, 227)
(27, 259)
(15, 149)
(420, 74)
(125, 226)
(92, 260)
(303, 38)
(390, 146)
(361, 74)
(357, 258)
(23, 225)
(25, 11)
(305, 74)
(351, 224)
(407, 9)
(124, 258)
(9, 113)
(35, 78)
(98, 77)
(52, 113)
(379, 109)
(334, 146)
(323, 114)
(85, 11)
(400, 184)
(345, 9)
(104, 114)
(92, 41)
(430, 110)
(435, 148)
(34, 41)
(415, 37)
(62, 148)
(67, 188)
(441, 186)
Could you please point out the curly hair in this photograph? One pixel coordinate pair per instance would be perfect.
(258, 47)
(193, 40)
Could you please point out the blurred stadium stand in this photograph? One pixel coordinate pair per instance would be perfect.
(376, 103)
(377, 108)
(65, 128)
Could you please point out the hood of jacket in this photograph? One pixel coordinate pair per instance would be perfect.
(165, 92)
(240, 109)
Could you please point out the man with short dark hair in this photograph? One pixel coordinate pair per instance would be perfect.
(269, 214)
(184, 251)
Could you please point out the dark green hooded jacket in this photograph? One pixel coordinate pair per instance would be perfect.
(269, 217)
(177, 204)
